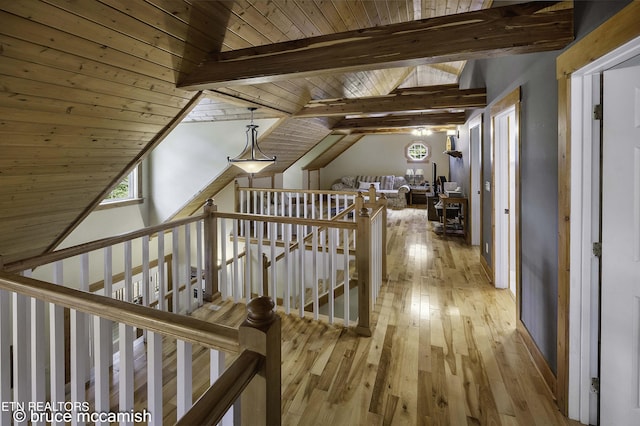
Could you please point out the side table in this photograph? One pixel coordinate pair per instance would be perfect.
(419, 192)
(446, 200)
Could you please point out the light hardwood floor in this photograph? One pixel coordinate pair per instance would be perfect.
(444, 349)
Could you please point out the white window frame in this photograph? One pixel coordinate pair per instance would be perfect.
(135, 189)
(412, 159)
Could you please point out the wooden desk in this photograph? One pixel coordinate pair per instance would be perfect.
(465, 208)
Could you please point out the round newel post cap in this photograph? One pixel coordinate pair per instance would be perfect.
(260, 311)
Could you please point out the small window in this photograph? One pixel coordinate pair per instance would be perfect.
(127, 189)
(418, 152)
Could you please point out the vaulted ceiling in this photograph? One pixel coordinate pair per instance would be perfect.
(90, 87)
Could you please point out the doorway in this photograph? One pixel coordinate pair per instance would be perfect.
(504, 119)
(617, 366)
(475, 153)
(620, 294)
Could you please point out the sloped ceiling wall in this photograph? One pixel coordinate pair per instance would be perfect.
(89, 87)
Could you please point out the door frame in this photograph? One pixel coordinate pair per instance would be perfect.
(609, 44)
(511, 100)
(585, 224)
(475, 176)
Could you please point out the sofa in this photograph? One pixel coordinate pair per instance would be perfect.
(394, 188)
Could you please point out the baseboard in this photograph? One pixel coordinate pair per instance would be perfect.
(486, 268)
(538, 359)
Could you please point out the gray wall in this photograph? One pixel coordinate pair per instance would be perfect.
(377, 155)
(459, 167)
(535, 74)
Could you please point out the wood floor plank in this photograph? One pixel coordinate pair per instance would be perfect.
(443, 350)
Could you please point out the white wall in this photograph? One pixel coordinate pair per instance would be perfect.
(379, 155)
(293, 177)
(189, 159)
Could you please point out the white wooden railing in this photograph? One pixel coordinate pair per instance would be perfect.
(305, 263)
(314, 247)
(168, 269)
(33, 385)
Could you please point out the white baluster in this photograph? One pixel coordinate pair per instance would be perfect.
(88, 332)
(260, 237)
(216, 363)
(146, 275)
(332, 270)
(236, 278)
(224, 279)
(128, 272)
(125, 385)
(274, 275)
(79, 349)
(314, 276)
(108, 272)
(5, 354)
(247, 262)
(56, 343)
(199, 261)
(347, 278)
(187, 265)
(301, 266)
(21, 351)
(79, 355)
(38, 392)
(161, 273)
(184, 377)
(304, 205)
(103, 341)
(286, 230)
(175, 270)
(154, 377)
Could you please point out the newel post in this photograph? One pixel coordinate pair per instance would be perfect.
(210, 251)
(260, 332)
(363, 265)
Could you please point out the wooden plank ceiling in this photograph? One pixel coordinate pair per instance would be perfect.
(88, 88)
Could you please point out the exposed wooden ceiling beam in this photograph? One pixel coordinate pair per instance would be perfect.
(520, 28)
(410, 120)
(399, 130)
(402, 100)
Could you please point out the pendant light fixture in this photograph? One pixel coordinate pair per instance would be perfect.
(252, 159)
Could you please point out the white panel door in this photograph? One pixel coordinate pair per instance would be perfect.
(474, 149)
(620, 355)
(505, 134)
(501, 200)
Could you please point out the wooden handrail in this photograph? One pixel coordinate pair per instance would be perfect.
(65, 253)
(216, 401)
(181, 327)
(300, 191)
(286, 220)
(376, 211)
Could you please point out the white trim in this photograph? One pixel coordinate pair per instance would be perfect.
(476, 169)
(585, 221)
(501, 198)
